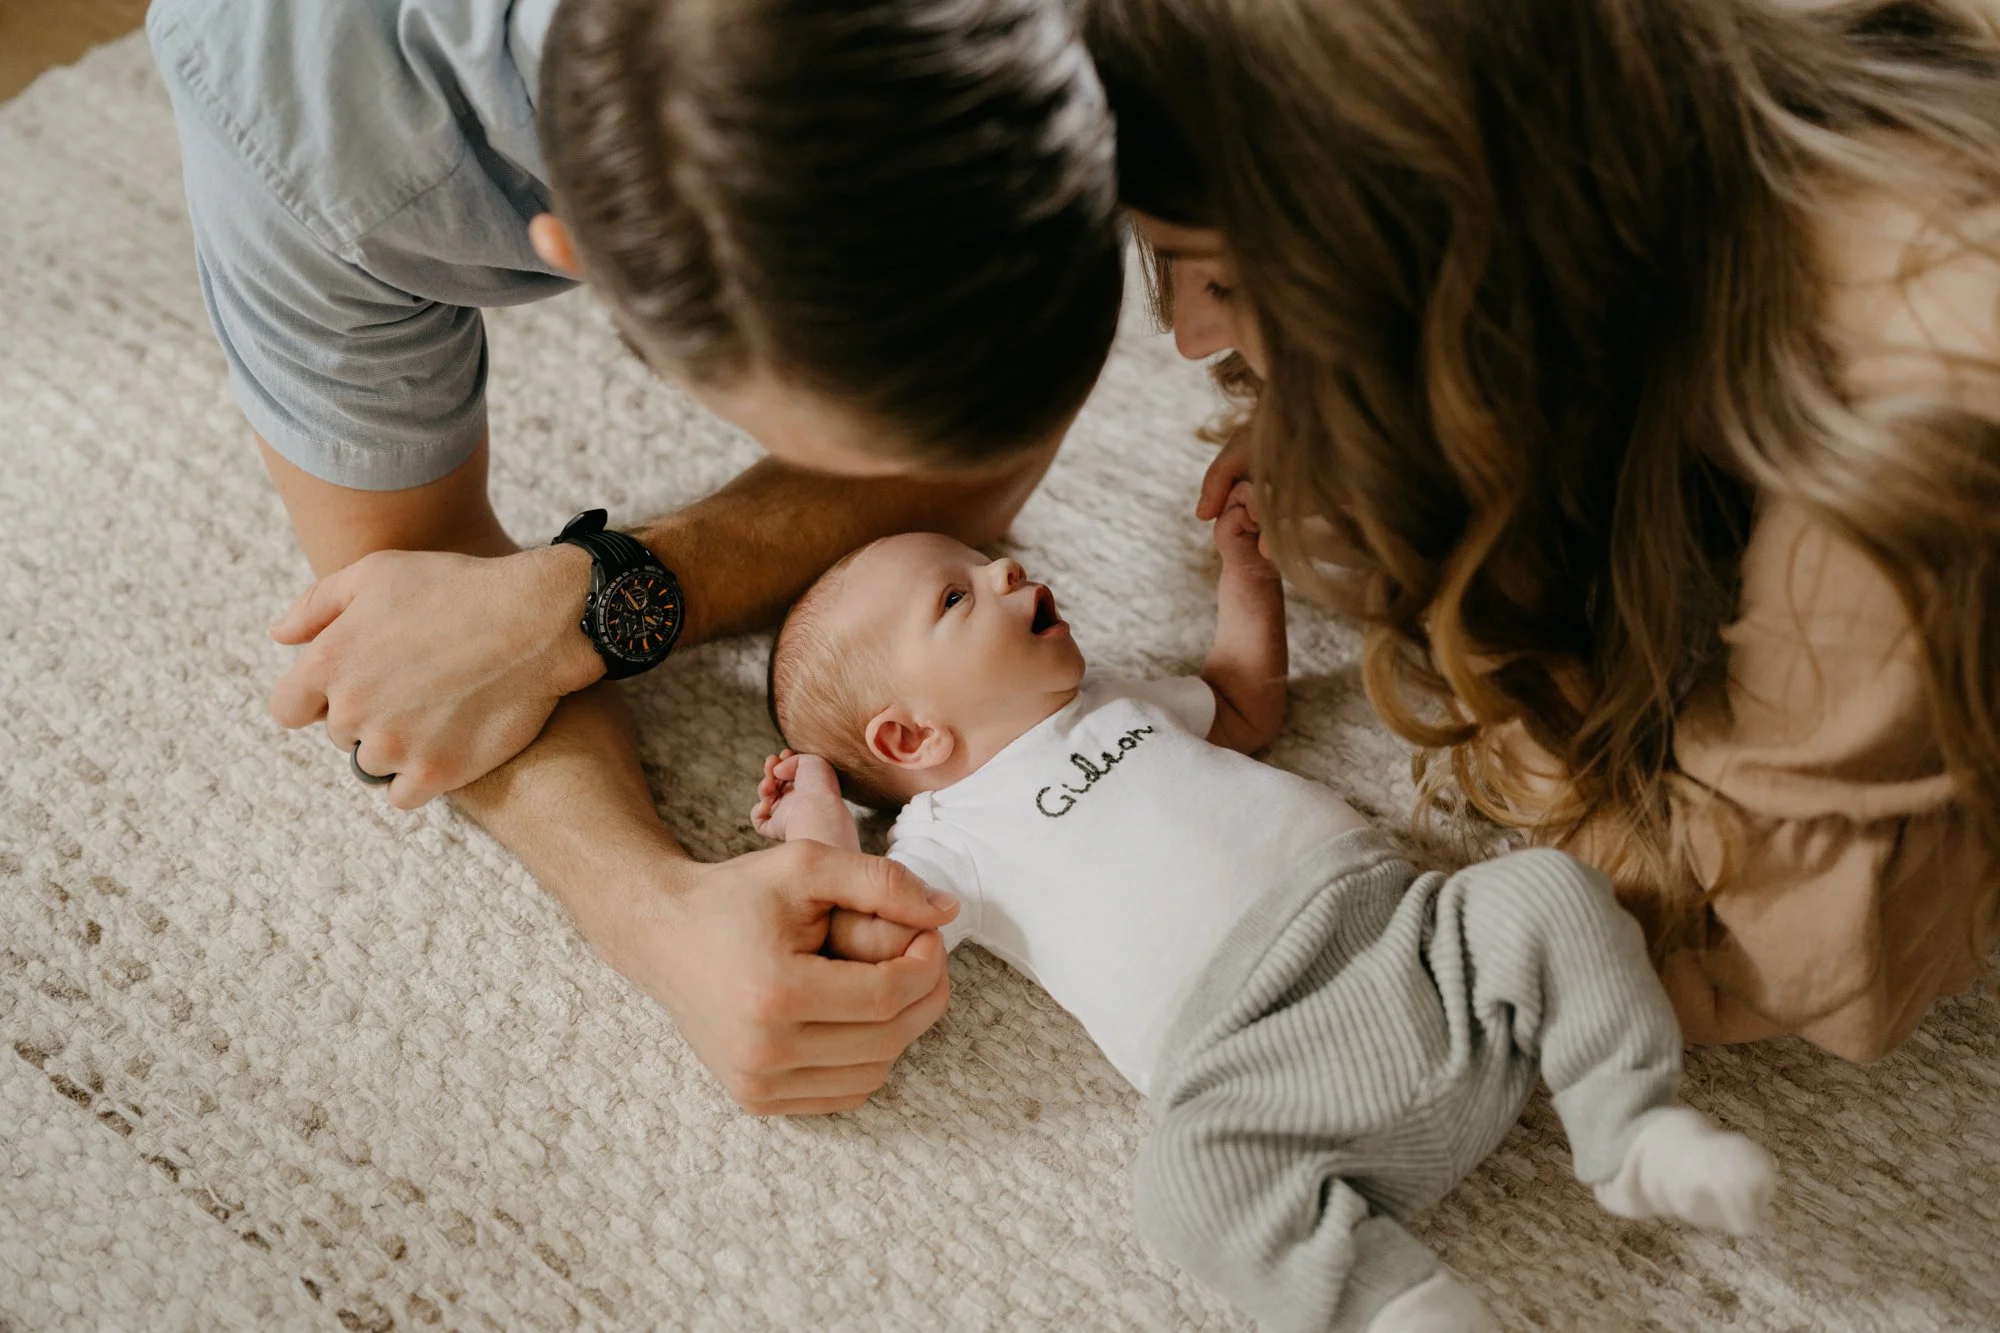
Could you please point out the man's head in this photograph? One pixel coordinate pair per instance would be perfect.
(881, 235)
(915, 658)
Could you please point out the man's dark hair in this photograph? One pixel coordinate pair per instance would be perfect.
(908, 206)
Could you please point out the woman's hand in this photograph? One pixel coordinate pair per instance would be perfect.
(1229, 500)
(1230, 466)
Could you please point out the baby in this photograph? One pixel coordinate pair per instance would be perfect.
(1331, 1040)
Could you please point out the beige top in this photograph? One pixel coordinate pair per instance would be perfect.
(1848, 887)
(1856, 892)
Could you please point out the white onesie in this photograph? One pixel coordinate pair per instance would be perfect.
(1108, 850)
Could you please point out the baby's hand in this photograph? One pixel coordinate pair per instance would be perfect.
(1238, 536)
(799, 793)
(865, 938)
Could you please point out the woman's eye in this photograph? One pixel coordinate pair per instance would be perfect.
(1220, 292)
(953, 598)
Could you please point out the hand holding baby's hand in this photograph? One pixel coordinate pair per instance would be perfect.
(793, 782)
(800, 798)
(1238, 535)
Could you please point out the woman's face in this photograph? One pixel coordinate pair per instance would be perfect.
(1209, 316)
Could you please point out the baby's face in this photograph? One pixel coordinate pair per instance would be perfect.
(960, 635)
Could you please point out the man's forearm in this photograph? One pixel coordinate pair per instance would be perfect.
(575, 808)
(746, 552)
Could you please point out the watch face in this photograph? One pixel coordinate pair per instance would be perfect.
(638, 615)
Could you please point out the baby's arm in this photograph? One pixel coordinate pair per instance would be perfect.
(799, 798)
(1248, 665)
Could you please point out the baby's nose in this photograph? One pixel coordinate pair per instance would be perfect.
(1008, 574)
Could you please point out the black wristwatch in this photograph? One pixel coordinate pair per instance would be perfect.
(635, 608)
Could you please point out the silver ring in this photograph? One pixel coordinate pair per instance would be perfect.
(372, 779)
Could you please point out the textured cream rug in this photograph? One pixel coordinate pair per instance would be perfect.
(277, 1056)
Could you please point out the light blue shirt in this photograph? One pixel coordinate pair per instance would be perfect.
(360, 175)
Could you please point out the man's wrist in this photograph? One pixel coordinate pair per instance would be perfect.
(672, 544)
(619, 882)
(562, 574)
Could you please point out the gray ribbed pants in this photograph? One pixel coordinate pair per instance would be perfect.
(1362, 1040)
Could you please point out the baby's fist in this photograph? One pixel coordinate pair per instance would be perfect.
(794, 784)
(1238, 536)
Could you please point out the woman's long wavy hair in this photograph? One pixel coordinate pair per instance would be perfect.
(1539, 289)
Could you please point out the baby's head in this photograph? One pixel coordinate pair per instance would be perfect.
(914, 660)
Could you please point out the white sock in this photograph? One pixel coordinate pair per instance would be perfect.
(1680, 1165)
(1438, 1304)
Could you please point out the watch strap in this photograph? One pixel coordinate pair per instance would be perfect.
(614, 554)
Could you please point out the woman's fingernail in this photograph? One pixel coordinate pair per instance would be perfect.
(939, 899)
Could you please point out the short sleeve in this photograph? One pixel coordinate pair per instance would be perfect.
(942, 866)
(352, 378)
(1848, 887)
(356, 382)
(1188, 700)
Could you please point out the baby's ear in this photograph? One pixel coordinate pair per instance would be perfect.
(897, 738)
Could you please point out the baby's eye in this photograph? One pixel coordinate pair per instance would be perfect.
(953, 597)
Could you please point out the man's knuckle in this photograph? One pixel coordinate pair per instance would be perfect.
(762, 1053)
(887, 1001)
(422, 770)
(763, 1045)
(764, 1003)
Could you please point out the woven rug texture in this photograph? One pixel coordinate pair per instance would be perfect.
(273, 1055)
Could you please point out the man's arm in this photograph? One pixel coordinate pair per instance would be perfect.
(745, 553)
(444, 667)
(730, 950)
(1248, 665)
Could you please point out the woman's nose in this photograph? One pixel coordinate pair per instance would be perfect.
(1203, 325)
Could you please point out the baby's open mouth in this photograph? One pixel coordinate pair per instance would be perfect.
(1046, 618)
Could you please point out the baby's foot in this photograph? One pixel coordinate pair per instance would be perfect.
(1680, 1165)
(1438, 1304)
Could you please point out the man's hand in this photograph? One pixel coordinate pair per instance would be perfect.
(442, 666)
(733, 953)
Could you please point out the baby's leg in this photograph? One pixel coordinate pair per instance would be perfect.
(1259, 1214)
(1554, 962)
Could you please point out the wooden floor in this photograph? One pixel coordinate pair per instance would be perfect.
(35, 34)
